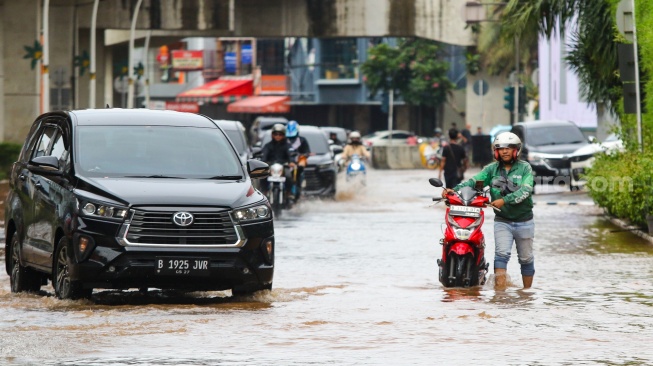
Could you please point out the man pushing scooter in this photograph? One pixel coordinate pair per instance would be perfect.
(511, 189)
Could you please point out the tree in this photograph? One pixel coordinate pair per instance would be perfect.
(413, 70)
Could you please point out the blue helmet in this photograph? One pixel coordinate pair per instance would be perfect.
(292, 129)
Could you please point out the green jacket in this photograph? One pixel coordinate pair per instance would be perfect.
(519, 204)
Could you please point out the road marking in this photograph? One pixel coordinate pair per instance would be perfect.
(564, 203)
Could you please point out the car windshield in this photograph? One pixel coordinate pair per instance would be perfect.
(317, 142)
(154, 151)
(559, 135)
(237, 138)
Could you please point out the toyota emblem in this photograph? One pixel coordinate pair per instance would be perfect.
(182, 218)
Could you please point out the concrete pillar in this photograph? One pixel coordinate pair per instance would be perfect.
(362, 121)
(21, 23)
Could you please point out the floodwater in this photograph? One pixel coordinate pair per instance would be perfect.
(356, 283)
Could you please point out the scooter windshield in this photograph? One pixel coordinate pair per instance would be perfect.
(467, 194)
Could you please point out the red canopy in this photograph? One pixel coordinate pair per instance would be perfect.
(218, 91)
(260, 105)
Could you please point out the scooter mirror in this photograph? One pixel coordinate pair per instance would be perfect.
(435, 182)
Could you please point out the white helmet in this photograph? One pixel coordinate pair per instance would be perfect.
(354, 135)
(507, 139)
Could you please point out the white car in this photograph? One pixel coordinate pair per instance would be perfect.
(382, 138)
(583, 158)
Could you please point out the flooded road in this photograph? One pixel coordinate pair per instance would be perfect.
(356, 283)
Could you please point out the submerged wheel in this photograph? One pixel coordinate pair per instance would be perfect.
(276, 201)
(64, 287)
(22, 279)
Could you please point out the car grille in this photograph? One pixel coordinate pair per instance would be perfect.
(559, 163)
(157, 227)
(581, 157)
(316, 181)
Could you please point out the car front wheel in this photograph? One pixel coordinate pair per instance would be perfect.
(64, 287)
(22, 279)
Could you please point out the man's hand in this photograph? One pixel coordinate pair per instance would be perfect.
(446, 192)
(498, 203)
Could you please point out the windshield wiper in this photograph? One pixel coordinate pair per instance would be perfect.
(226, 177)
(154, 176)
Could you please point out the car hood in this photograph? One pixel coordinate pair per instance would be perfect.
(172, 192)
(556, 149)
(319, 159)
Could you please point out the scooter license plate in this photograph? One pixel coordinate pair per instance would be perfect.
(465, 211)
(276, 179)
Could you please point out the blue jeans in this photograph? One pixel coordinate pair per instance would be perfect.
(522, 234)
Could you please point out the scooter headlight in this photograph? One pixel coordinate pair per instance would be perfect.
(463, 234)
(276, 170)
(355, 166)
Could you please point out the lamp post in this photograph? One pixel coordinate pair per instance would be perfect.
(92, 91)
(45, 76)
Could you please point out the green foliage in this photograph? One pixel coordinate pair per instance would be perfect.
(8, 155)
(621, 183)
(413, 69)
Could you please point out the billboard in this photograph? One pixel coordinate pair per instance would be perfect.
(183, 60)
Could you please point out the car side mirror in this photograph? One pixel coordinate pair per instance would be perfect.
(336, 149)
(45, 165)
(257, 169)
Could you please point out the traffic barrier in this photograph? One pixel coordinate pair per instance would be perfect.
(396, 157)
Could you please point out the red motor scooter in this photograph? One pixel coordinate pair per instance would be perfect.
(463, 246)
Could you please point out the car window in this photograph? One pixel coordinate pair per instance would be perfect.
(238, 140)
(186, 152)
(60, 151)
(400, 135)
(558, 135)
(44, 142)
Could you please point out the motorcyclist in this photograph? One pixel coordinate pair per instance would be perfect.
(302, 149)
(279, 151)
(511, 190)
(355, 147)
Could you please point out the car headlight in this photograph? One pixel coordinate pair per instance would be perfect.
(250, 214)
(325, 166)
(103, 211)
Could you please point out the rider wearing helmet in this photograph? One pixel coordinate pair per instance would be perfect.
(278, 150)
(355, 147)
(300, 145)
(511, 189)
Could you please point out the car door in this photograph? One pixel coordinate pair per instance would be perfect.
(48, 196)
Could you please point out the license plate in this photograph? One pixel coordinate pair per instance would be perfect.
(174, 266)
(465, 211)
(276, 179)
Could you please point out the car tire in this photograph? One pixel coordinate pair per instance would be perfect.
(22, 279)
(64, 287)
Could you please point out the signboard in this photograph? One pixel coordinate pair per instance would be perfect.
(189, 107)
(230, 62)
(187, 60)
(273, 84)
(246, 54)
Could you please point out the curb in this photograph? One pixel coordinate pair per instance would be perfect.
(633, 229)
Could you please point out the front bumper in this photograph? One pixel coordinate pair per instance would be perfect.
(115, 266)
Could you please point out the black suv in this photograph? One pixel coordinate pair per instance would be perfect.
(548, 147)
(113, 198)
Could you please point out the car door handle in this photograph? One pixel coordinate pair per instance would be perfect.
(38, 184)
(22, 177)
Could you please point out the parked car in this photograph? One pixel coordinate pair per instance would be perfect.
(261, 125)
(236, 133)
(583, 158)
(382, 138)
(321, 171)
(135, 198)
(547, 146)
